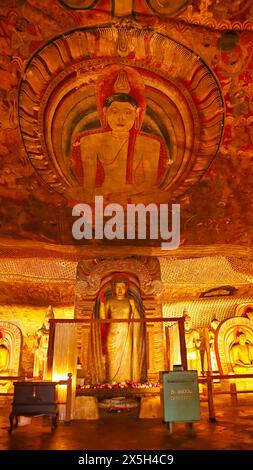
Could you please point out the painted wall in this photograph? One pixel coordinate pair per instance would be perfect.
(29, 319)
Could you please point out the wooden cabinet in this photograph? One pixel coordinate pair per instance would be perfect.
(34, 399)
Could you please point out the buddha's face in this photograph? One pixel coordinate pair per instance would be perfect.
(120, 289)
(121, 116)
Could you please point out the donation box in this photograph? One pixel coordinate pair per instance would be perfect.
(180, 396)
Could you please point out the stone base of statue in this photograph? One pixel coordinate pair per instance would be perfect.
(86, 408)
(150, 407)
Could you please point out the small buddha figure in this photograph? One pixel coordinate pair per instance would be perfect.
(4, 356)
(41, 346)
(124, 343)
(242, 355)
(213, 327)
(193, 342)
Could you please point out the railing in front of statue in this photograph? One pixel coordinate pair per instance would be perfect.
(179, 320)
(67, 382)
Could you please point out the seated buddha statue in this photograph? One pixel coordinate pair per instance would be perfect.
(119, 160)
(242, 355)
(193, 342)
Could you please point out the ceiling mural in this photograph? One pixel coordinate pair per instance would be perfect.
(182, 65)
(109, 111)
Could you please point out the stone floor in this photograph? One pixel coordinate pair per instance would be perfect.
(233, 430)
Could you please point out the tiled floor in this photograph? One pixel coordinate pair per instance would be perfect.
(232, 430)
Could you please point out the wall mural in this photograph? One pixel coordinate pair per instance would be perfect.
(70, 52)
(113, 113)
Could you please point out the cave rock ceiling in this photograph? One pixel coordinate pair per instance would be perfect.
(187, 64)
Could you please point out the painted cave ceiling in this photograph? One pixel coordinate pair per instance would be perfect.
(188, 69)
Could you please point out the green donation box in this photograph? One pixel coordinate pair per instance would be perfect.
(180, 396)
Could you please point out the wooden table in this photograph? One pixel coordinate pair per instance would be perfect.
(34, 399)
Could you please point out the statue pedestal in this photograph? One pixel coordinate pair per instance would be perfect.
(150, 407)
(61, 411)
(86, 408)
